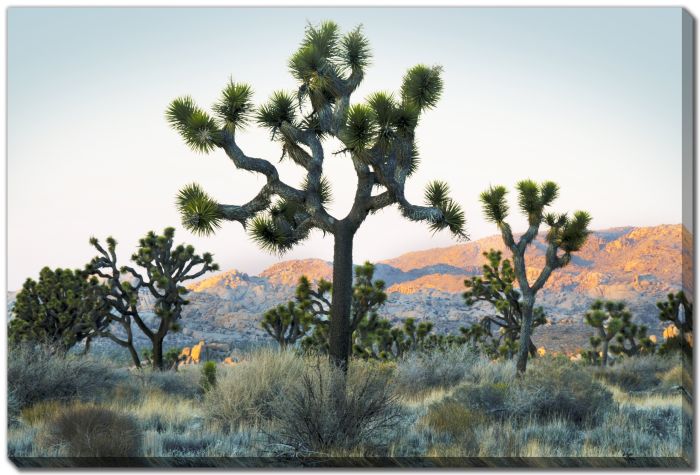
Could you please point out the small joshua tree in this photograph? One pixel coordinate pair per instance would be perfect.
(378, 137)
(166, 267)
(607, 318)
(287, 323)
(367, 297)
(59, 310)
(616, 332)
(496, 287)
(566, 234)
(679, 311)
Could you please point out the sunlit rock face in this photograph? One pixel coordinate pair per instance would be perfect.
(638, 265)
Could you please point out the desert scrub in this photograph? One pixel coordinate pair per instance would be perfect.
(556, 388)
(244, 394)
(183, 383)
(208, 378)
(34, 374)
(89, 430)
(328, 412)
(452, 418)
(642, 373)
(418, 372)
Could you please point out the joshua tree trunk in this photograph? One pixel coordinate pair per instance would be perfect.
(606, 342)
(342, 296)
(158, 352)
(525, 332)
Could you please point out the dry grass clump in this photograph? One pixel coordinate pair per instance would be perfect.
(641, 373)
(88, 430)
(459, 422)
(329, 411)
(419, 372)
(34, 374)
(558, 389)
(244, 394)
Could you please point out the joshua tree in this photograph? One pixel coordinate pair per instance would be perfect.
(121, 296)
(679, 311)
(366, 298)
(496, 287)
(377, 136)
(287, 323)
(565, 234)
(608, 318)
(166, 267)
(63, 308)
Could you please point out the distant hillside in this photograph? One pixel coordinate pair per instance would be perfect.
(638, 265)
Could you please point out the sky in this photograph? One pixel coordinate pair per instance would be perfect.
(587, 97)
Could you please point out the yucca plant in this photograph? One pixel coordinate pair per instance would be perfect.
(566, 235)
(167, 267)
(377, 136)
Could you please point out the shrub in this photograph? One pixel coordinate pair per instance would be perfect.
(488, 398)
(87, 430)
(451, 417)
(184, 383)
(244, 393)
(639, 373)
(208, 379)
(420, 371)
(557, 389)
(34, 375)
(327, 411)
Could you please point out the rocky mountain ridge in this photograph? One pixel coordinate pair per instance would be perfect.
(638, 265)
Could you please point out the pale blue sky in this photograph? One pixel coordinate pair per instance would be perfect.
(589, 98)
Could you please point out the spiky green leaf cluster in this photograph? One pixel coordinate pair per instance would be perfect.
(200, 132)
(494, 205)
(534, 198)
(354, 51)
(235, 107)
(437, 195)
(274, 232)
(280, 108)
(422, 86)
(360, 129)
(325, 192)
(569, 234)
(200, 213)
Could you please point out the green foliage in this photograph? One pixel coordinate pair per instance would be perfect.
(422, 86)
(679, 311)
(360, 129)
(235, 106)
(437, 195)
(286, 324)
(171, 357)
(613, 322)
(199, 131)
(494, 204)
(354, 50)
(496, 286)
(200, 213)
(59, 310)
(325, 192)
(569, 234)
(208, 378)
(279, 109)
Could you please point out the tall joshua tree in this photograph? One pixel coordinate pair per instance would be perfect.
(167, 268)
(566, 235)
(377, 136)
